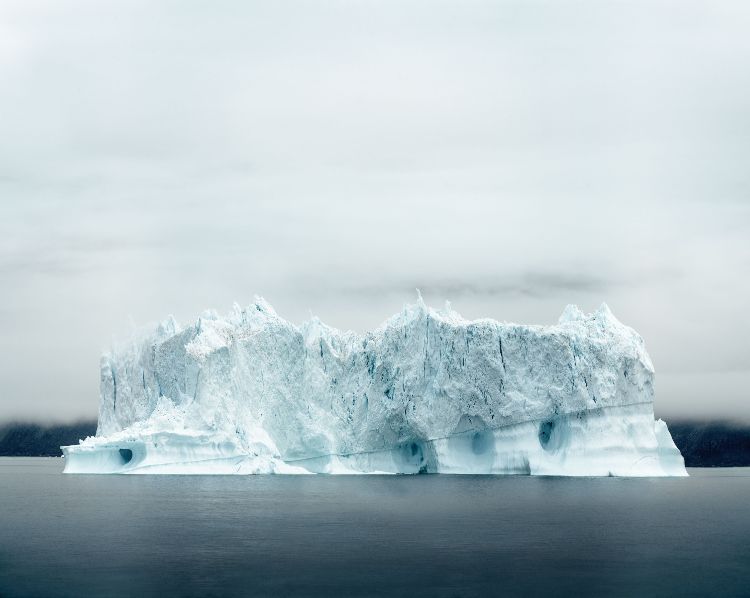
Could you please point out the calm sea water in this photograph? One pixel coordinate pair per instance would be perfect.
(371, 535)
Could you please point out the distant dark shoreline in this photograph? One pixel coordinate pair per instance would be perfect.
(27, 439)
(702, 443)
(712, 443)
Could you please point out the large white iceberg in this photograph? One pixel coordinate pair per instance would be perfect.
(428, 391)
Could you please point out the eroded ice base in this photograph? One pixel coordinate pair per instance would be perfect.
(617, 441)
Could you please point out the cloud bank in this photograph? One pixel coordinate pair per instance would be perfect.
(162, 158)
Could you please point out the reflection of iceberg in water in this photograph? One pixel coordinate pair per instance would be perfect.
(426, 392)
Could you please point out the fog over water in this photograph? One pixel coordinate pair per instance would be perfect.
(332, 157)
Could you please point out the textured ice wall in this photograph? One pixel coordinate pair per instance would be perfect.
(427, 391)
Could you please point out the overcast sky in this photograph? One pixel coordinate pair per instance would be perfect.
(513, 157)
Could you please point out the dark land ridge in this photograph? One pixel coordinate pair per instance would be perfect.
(28, 439)
(702, 443)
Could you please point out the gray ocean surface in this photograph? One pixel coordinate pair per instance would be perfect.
(427, 535)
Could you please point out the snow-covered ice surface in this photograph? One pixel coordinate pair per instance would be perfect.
(428, 391)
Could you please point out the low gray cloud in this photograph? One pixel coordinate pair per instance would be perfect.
(536, 284)
(530, 284)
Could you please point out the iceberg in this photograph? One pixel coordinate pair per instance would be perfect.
(426, 392)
